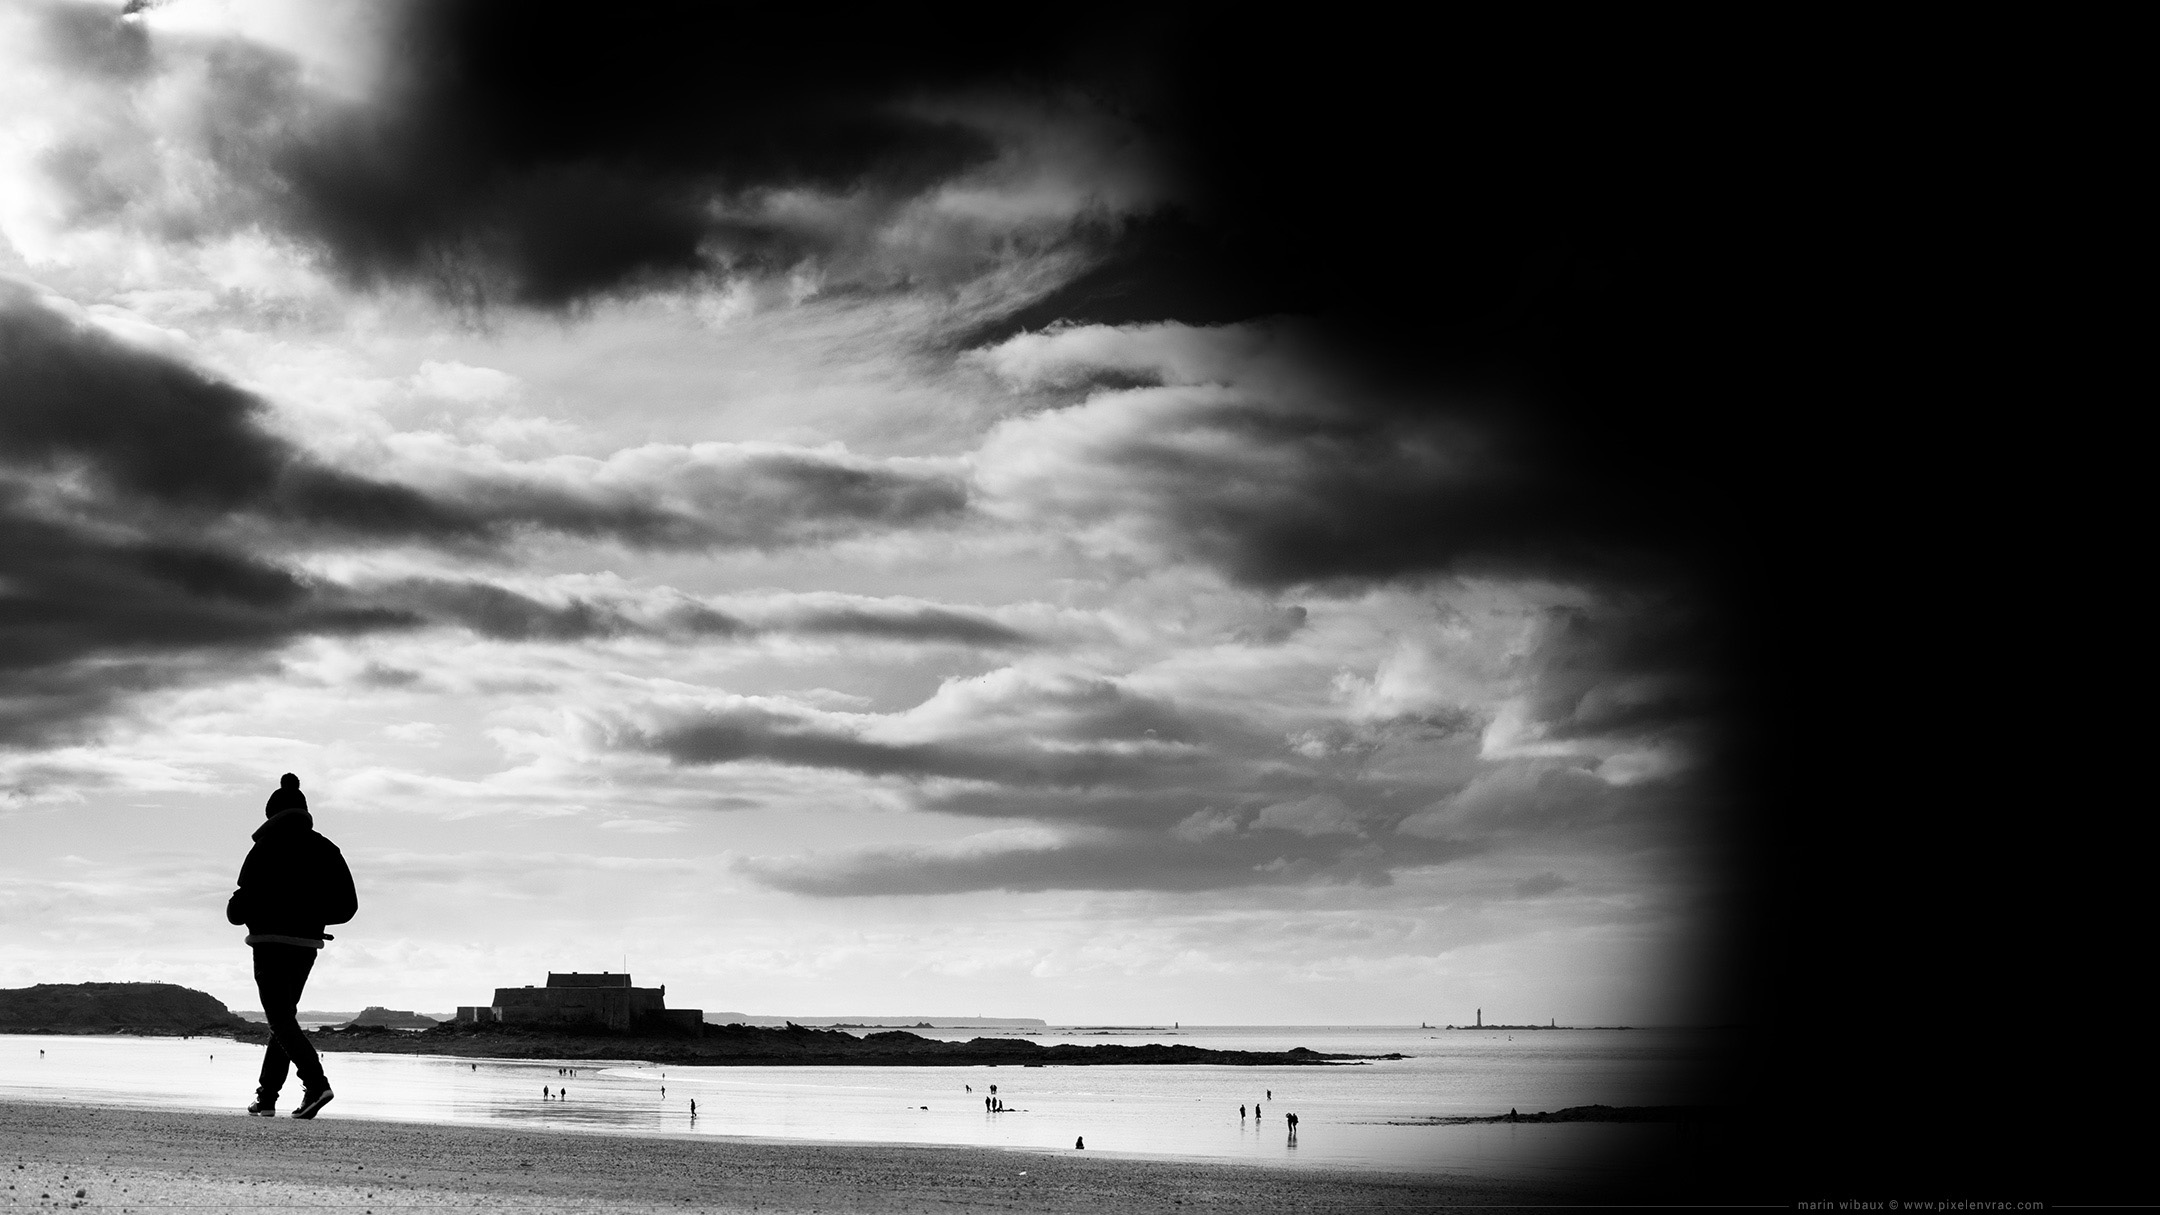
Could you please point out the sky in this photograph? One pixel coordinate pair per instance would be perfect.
(1116, 522)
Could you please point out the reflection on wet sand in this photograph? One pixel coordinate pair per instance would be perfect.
(1384, 1115)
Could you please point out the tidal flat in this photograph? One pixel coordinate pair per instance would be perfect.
(114, 1158)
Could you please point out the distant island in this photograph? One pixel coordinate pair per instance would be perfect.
(791, 1045)
(115, 1008)
(375, 1016)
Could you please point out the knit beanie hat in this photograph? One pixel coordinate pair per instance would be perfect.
(286, 796)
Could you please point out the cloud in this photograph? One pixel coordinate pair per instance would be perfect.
(1540, 885)
(88, 620)
(756, 733)
(461, 382)
(496, 612)
(703, 495)
(1629, 666)
(105, 426)
(150, 522)
(906, 622)
(152, 432)
(1118, 789)
(1118, 783)
(499, 612)
(693, 148)
(1320, 814)
(1106, 860)
(1270, 453)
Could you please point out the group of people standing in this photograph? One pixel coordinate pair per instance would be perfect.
(1289, 1120)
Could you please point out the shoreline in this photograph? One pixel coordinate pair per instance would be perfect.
(797, 1046)
(147, 1159)
(743, 1046)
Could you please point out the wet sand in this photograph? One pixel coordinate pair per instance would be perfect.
(111, 1158)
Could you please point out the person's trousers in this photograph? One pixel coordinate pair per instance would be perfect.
(281, 972)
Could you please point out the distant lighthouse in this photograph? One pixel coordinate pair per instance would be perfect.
(1481, 1018)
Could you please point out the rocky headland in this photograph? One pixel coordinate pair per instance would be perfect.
(116, 1008)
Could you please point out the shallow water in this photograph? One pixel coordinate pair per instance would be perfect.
(1192, 1112)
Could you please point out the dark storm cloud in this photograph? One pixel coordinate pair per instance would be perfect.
(87, 620)
(1536, 261)
(145, 514)
(496, 612)
(504, 614)
(907, 623)
(1109, 861)
(1534, 254)
(1284, 455)
(1628, 667)
(1536, 239)
(757, 734)
(155, 434)
(545, 151)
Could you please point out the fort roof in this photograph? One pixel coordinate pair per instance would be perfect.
(574, 979)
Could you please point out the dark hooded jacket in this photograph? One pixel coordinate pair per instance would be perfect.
(294, 882)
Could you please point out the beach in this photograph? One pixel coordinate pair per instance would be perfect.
(118, 1158)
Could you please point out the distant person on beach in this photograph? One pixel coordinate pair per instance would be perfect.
(293, 884)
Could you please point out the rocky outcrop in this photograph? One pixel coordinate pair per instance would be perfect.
(91, 1008)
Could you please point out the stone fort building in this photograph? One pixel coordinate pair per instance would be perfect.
(601, 1001)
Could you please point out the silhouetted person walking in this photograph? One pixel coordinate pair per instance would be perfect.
(293, 883)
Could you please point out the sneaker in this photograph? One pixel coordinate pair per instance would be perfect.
(263, 1108)
(312, 1101)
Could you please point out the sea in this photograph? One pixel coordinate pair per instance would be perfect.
(1377, 1115)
